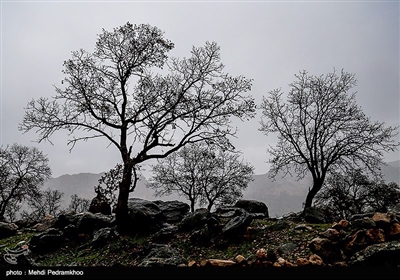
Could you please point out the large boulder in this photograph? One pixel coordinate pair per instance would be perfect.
(99, 204)
(327, 249)
(253, 207)
(89, 222)
(173, 211)
(195, 220)
(237, 225)
(46, 241)
(385, 255)
(65, 219)
(7, 229)
(144, 216)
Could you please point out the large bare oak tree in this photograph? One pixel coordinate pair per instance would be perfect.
(321, 128)
(123, 93)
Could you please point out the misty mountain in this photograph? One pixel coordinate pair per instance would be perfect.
(83, 185)
(391, 172)
(282, 196)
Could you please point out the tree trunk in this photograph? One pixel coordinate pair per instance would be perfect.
(121, 211)
(317, 185)
(192, 205)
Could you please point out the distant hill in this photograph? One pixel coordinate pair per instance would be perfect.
(287, 195)
(282, 196)
(391, 172)
(83, 185)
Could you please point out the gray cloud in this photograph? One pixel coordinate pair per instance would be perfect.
(266, 41)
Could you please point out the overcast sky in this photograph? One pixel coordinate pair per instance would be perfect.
(268, 41)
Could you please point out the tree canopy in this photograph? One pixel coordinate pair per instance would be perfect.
(203, 174)
(143, 102)
(23, 170)
(353, 193)
(321, 129)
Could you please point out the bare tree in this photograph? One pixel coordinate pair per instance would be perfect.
(12, 210)
(321, 129)
(78, 204)
(48, 202)
(160, 114)
(23, 170)
(204, 174)
(355, 193)
(382, 197)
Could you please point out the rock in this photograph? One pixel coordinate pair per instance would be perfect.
(101, 236)
(89, 222)
(315, 260)
(99, 204)
(253, 207)
(65, 219)
(383, 254)
(47, 241)
(261, 254)
(7, 229)
(165, 234)
(316, 216)
(239, 259)
(237, 225)
(48, 222)
(287, 248)
(361, 216)
(328, 250)
(341, 225)
(375, 235)
(331, 233)
(144, 216)
(302, 262)
(381, 220)
(363, 223)
(222, 263)
(162, 256)
(302, 227)
(173, 211)
(195, 220)
(394, 231)
(396, 208)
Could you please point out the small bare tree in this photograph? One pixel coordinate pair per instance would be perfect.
(23, 170)
(152, 119)
(47, 202)
(321, 129)
(204, 174)
(352, 193)
(78, 204)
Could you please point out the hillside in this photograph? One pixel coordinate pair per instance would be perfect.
(282, 196)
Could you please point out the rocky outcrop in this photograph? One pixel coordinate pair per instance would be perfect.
(7, 229)
(371, 239)
(368, 239)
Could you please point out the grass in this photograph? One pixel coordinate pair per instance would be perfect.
(119, 251)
